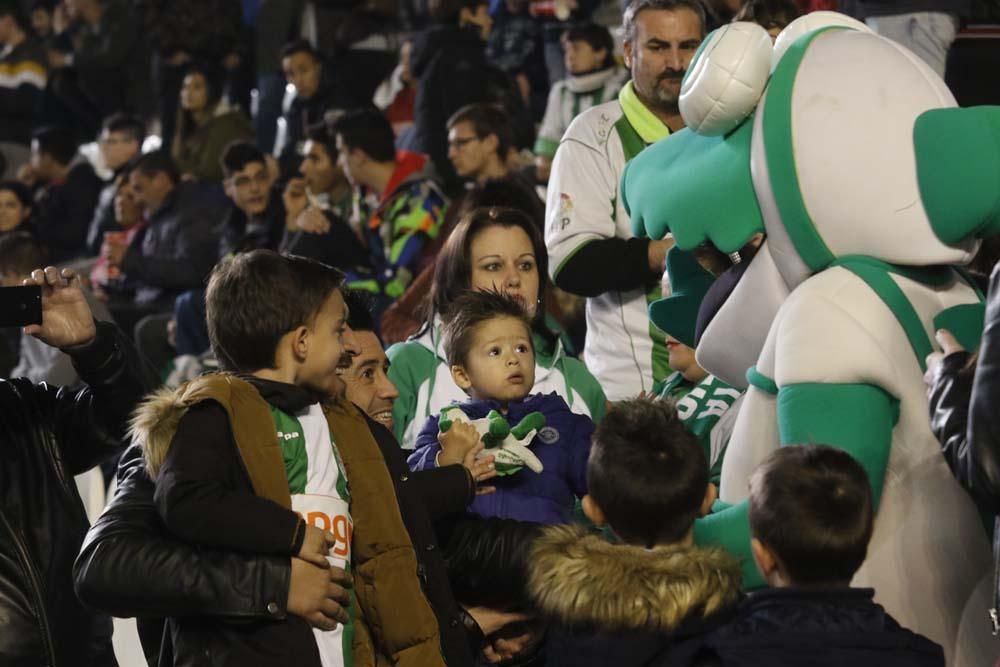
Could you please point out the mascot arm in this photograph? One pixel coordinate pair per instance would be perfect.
(857, 418)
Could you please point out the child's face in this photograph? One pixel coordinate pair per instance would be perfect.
(580, 57)
(327, 344)
(500, 365)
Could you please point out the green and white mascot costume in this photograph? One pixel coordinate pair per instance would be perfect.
(849, 153)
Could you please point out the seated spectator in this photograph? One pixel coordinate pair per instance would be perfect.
(487, 342)
(15, 208)
(107, 279)
(593, 78)
(109, 55)
(635, 602)
(397, 94)
(41, 19)
(20, 254)
(515, 46)
(176, 249)
(120, 142)
(490, 249)
(772, 15)
(318, 206)
(402, 207)
(205, 126)
(318, 90)
(23, 77)
(811, 517)
(480, 144)
(67, 190)
(50, 435)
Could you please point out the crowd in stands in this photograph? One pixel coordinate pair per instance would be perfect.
(391, 232)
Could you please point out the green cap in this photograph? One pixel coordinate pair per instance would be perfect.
(677, 314)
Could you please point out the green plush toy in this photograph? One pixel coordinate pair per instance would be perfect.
(508, 445)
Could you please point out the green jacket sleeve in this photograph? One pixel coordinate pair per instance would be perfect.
(410, 366)
(585, 384)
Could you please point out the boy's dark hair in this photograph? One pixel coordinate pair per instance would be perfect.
(448, 11)
(58, 142)
(812, 505)
(769, 13)
(158, 162)
(359, 306)
(368, 130)
(238, 155)
(472, 309)
(322, 133)
(257, 297)
(21, 253)
(131, 126)
(20, 190)
(596, 36)
(636, 7)
(647, 472)
(300, 46)
(486, 119)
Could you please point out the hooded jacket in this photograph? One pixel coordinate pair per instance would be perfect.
(623, 605)
(387, 572)
(423, 377)
(562, 445)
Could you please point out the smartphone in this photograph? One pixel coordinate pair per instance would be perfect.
(20, 306)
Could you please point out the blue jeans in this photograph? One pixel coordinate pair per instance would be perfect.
(192, 325)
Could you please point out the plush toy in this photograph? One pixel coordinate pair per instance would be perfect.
(870, 188)
(508, 445)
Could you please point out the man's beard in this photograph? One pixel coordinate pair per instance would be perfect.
(667, 98)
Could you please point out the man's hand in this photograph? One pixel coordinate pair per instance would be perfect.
(313, 221)
(319, 595)
(66, 317)
(114, 247)
(295, 200)
(460, 439)
(316, 546)
(482, 469)
(57, 59)
(657, 254)
(27, 175)
(949, 345)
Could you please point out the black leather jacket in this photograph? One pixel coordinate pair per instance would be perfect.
(50, 435)
(130, 566)
(964, 416)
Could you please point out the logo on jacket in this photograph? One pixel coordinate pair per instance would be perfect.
(548, 435)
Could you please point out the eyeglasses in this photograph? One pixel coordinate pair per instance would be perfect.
(458, 142)
(260, 178)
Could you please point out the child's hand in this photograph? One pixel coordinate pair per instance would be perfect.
(316, 546)
(456, 443)
(482, 469)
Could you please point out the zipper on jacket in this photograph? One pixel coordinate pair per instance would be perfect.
(36, 585)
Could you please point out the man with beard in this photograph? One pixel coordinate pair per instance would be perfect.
(587, 231)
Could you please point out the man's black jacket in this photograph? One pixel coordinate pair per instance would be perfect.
(50, 435)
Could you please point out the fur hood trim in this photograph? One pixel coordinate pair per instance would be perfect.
(154, 424)
(580, 579)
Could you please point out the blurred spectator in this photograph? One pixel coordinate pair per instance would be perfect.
(120, 142)
(177, 248)
(926, 27)
(405, 208)
(66, 195)
(772, 15)
(479, 142)
(276, 23)
(320, 89)
(397, 95)
(318, 207)
(126, 218)
(108, 56)
(20, 254)
(205, 126)
(15, 208)
(41, 19)
(23, 77)
(515, 46)
(594, 78)
(256, 218)
(187, 31)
